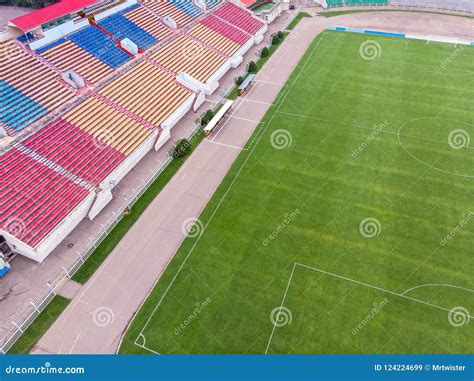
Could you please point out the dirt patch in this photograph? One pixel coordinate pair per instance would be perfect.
(8, 13)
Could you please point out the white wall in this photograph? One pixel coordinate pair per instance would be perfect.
(162, 139)
(104, 196)
(127, 165)
(175, 117)
(55, 237)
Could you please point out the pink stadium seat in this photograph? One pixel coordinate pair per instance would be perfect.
(35, 197)
(226, 30)
(239, 17)
(75, 150)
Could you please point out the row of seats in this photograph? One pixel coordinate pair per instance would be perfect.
(108, 125)
(29, 87)
(121, 27)
(187, 7)
(89, 158)
(147, 91)
(239, 17)
(163, 8)
(100, 45)
(67, 55)
(185, 54)
(226, 29)
(214, 39)
(35, 198)
(16, 109)
(149, 22)
(212, 3)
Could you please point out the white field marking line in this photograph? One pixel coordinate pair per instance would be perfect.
(437, 285)
(281, 306)
(147, 349)
(225, 145)
(225, 195)
(270, 83)
(246, 119)
(260, 102)
(461, 71)
(353, 281)
(368, 128)
(75, 342)
(377, 288)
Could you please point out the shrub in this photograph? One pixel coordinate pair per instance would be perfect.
(206, 118)
(275, 40)
(264, 53)
(182, 148)
(252, 67)
(239, 80)
(280, 35)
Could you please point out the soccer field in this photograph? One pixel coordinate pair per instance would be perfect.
(348, 224)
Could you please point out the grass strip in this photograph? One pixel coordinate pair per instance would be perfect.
(114, 237)
(41, 324)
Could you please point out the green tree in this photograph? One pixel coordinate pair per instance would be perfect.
(182, 148)
(264, 53)
(206, 118)
(252, 67)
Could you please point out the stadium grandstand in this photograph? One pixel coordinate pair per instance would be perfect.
(88, 88)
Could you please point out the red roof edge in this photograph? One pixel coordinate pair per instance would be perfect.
(248, 3)
(49, 13)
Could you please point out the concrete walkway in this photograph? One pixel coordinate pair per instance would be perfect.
(100, 312)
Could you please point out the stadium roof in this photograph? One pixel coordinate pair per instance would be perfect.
(248, 3)
(49, 13)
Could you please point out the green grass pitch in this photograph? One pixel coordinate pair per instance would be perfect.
(355, 234)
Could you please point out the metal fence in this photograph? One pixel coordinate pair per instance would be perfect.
(30, 312)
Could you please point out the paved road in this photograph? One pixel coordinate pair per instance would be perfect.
(100, 312)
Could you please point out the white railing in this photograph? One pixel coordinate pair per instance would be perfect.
(30, 312)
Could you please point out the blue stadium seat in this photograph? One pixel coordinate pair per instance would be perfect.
(16, 109)
(211, 3)
(100, 45)
(121, 27)
(187, 7)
